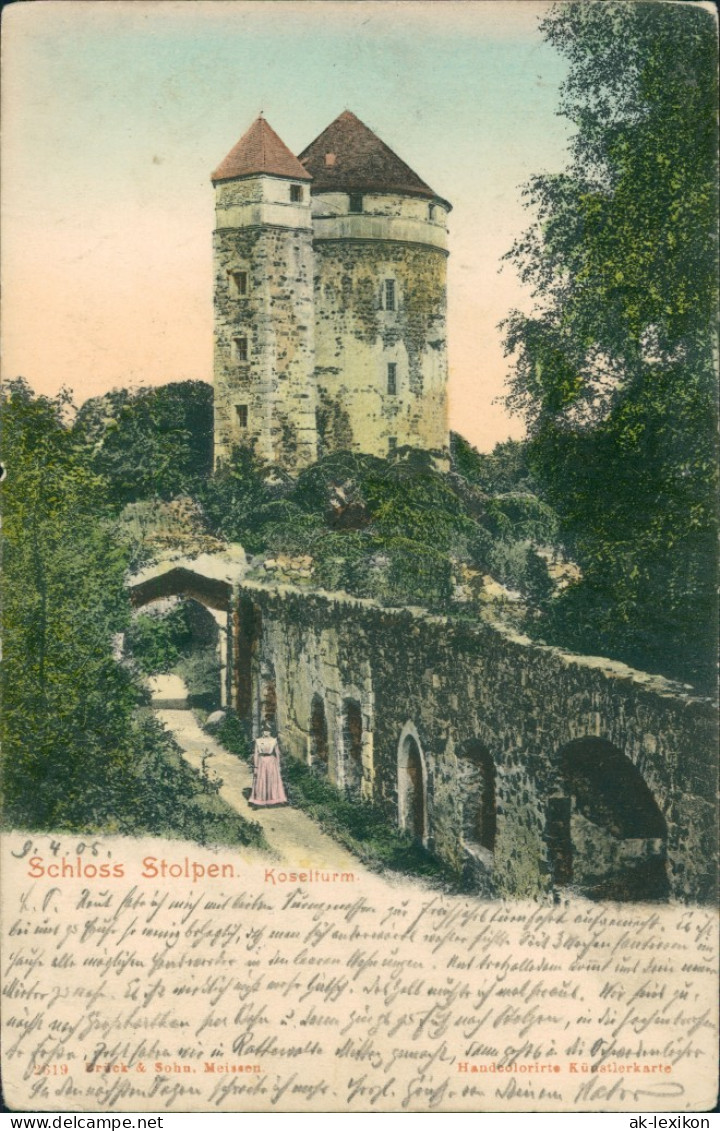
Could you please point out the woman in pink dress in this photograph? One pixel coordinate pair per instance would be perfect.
(267, 786)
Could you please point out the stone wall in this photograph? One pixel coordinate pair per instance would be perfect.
(264, 334)
(330, 325)
(357, 338)
(456, 715)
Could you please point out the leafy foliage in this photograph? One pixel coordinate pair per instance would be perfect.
(521, 516)
(615, 373)
(156, 643)
(410, 500)
(65, 699)
(150, 442)
(360, 826)
(373, 527)
(182, 639)
(233, 736)
(503, 470)
(316, 484)
(232, 497)
(79, 753)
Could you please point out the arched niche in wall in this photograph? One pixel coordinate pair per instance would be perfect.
(319, 746)
(412, 784)
(606, 835)
(351, 744)
(478, 796)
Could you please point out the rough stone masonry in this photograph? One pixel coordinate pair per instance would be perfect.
(330, 299)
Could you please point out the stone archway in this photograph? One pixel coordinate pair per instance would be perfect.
(412, 785)
(212, 590)
(606, 835)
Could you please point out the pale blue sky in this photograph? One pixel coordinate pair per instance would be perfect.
(115, 113)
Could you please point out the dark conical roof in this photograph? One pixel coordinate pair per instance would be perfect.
(260, 150)
(349, 157)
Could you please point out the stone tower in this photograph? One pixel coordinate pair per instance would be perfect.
(330, 299)
(264, 320)
(380, 243)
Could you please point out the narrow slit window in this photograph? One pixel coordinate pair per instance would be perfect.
(356, 202)
(390, 294)
(431, 211)
(392, 378)
(240, 282)
(296, 193)
(241, 411)
(241, 349)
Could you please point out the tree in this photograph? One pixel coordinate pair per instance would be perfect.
(233, 498)
(150, 442)
(504, 469)
(615, 367)
(77, 753)
(66, 702)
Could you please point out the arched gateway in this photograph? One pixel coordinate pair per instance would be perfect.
(210, 581)
(606, 835)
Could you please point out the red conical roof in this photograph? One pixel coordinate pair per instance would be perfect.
(260, 150)
(349, 157)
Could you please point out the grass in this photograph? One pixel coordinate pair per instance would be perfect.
(358, 825)
(362, 827)
(182, 802)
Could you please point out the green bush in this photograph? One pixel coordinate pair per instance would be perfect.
(80, 752)
(521, 516)
(156, 641)
(289, 530)
(418, 574)
(505, 469)
(200, 671)
(231, 497)
(167, 797)
(315, 485)
(233, 736)
(360, 826)
(149, 442)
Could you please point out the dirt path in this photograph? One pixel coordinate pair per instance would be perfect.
(294, 839)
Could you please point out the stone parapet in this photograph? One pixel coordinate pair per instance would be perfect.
(481, 715)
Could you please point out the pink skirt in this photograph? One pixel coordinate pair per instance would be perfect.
(268, 788)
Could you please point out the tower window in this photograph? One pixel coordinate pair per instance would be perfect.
(240, 282)
(241, 411)
(296, 193)
(431, 212)
(392, 378)
(241, 349)
(389, 294)
(356, 202)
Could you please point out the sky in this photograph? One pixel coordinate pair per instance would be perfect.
(115, 112)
